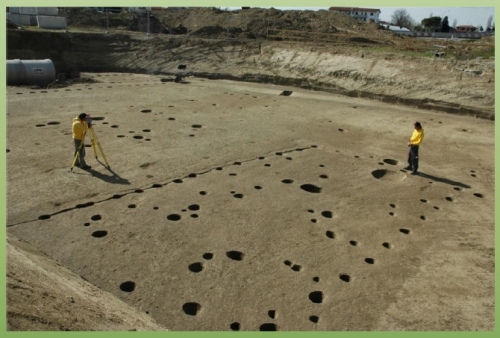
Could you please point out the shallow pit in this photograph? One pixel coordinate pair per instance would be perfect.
(99, 233)
(174, 217)
(390, 161)
(128, 286)
(345, 278)
(268, 327)
(316, 297)
(235, 255)
(191, 308)
(196, 267)
(314, 319)
(311, 188)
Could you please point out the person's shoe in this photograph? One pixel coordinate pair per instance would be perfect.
(408, 168)
(414, 173)
(86, 167)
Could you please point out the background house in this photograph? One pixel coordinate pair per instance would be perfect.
(358, 13)
(465, 29)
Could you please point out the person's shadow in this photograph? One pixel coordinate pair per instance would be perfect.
(444, 180)
(114, 178)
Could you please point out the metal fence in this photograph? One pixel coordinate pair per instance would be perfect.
(210, 26)
(229, 26)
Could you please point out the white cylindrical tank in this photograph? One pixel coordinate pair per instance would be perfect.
(30, 72)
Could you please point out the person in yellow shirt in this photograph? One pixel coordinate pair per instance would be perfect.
(81, 124)
(413, 146)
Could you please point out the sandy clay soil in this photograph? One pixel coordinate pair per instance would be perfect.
(231, 207)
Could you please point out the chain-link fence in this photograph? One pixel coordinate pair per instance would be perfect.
(217, 24)
(323, 27)
(234, 27)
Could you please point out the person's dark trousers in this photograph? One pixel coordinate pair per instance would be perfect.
(80, 161)
(413, 157)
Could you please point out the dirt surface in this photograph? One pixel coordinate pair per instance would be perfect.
(231, 207)
(228, 206)
(322, 50)
(45, 296)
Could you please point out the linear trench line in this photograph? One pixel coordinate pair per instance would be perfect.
(133, 191)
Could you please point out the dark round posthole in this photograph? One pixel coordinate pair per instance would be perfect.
(311, 188)
(208, 256)
(196, 267)
(235, 255)
(191, 308)
(316, 297)
(99, 233)
(379, 173)
(127, 286)
(174, 217)
(268, 327)
(390, 161)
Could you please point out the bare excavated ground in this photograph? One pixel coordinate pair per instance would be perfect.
(231, 207)
(320, 50)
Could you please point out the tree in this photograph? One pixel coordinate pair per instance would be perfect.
(481, 29)
(445, 27)
(432, 24)
(402, 18)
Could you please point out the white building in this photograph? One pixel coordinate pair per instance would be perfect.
(43, 17)
(397, 29)
(360, 14)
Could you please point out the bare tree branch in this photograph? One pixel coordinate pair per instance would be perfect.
(402, 18)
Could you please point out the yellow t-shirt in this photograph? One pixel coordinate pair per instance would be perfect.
(79, 128)
(417, 137)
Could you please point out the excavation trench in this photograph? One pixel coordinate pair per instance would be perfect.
(258, 62)
(305, 83)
